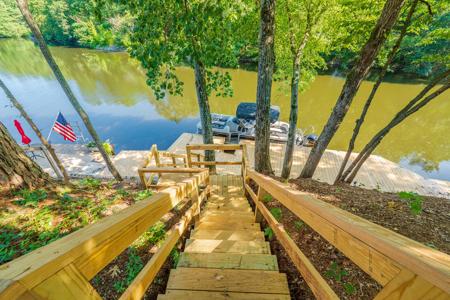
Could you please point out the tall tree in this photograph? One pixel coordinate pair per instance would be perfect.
(197, 33)
(264, 87)
(36, 130)
(302, 28)
(17, 170)
(375, 87)
(366, 57)
(23, 6)
(418, 102)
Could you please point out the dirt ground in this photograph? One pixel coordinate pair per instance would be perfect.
(431, 226)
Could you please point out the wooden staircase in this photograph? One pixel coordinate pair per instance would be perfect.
(226, 256)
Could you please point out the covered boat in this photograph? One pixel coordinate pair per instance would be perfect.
(243, 124)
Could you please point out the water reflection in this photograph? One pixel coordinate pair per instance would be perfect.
(113, 90)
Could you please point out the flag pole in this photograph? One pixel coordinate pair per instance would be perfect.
(51, 128)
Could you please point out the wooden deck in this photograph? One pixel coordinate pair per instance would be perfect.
(226, 256)
(376, 173)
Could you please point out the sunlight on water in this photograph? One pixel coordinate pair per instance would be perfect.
(113, 90)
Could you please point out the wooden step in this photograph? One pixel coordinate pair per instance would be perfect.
(225, 218)
(219, 246)
(234, 197)
(238, 207)
(228, 280)
(227, 201)
(227, 209)
(228, 261)
(203, 295)
(227, 226)
(227, 213)
(231, 235)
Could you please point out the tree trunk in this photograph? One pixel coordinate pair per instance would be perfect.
(412, 107)
(293, 117)
(17, 170)
(264, 88)
(23, 6)
(35, 129)
(377, 84)
(368, 53)
(205, 113)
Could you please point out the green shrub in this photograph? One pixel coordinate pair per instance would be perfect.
(268, 232)
(415, 201)
(30, 198)
(276, 213)
(89, 182)
(141, 195)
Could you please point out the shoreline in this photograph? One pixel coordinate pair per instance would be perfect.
(380, 173)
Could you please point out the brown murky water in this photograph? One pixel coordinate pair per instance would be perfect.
(112, 88)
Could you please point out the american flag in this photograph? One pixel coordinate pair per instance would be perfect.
(62, 127)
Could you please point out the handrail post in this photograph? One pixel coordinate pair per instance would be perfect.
(260, 196)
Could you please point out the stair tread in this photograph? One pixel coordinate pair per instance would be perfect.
(223, 209)
(231, 235)
(228, 280)
(227, 225)
(228, 261)
(206, 295)
(221, 246)
(226, 218)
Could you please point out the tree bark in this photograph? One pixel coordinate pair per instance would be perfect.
(293, 115)
(368, 53)
(36, 130)
(264, 88)
(205, 113)
(23, 6)
(377, 84)
(17, 170)
(412, 107)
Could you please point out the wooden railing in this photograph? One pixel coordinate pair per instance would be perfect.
(62, 269)
(147, 168)
(216, 147)
(406, 269)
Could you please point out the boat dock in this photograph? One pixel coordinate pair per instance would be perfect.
(377, 173)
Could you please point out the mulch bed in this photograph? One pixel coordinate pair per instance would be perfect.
(430, 227)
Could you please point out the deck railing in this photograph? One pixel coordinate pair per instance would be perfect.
(406, 269)
(62, 269)
(216, 147)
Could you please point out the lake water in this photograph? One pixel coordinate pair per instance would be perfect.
(112, 88)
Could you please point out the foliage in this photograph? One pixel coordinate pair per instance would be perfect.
(58, 216)
(276, 213)
(171, 33)
(338, 274)
(11, 23)
(298, 225)
(267, 198)
(295, 21)
(153, 236)
(30, 198)
(109, 148)
(90, 183)
(175, 256)
(415, 201)
(133, 267)
(142, 195)
(268, 232)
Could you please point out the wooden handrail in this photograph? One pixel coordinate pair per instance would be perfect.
(383, 254)
(315, 281)
(139, 285)
(79, 256)
(222, 147)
